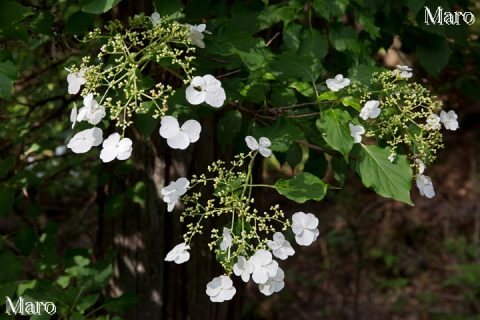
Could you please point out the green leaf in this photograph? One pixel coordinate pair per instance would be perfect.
(390, 180)
(333, 124)
(228, 127)
(314, 44)
(294, 155)
(327, 96)
(327, 8)
(11, 13)
(353, 102)
(344, 38)
(291, 65)
(305, 186)
(79, 22)
(7, 197)
(433, 54)
(282, 134)
(316, 163)
(10, 266)
(121, 304)
(168, 7)
(304, 88)
(98, 6)
(8, 73)
(340, 169)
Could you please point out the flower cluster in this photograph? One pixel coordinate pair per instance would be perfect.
(116, 88)
(249, 243)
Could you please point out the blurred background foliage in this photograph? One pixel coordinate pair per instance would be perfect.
(377, 259)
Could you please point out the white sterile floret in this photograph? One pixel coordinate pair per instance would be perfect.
(179, 137)
(243, 268)
(155, 18)
(73, 116)
(179, 253)
(370, 110)
(304, 226)
(356, 131)
(116, 147)
(273, 284)
(404, 71)
(75, 81)
(391, 158)
(174, 191)
(433, 122)
(262, 145)
(226, 240)
(425, 186)
(221, 289)
(91, 111)
(337, 83)
(264, 267)
(205, 89)
(449, 120)
(280, 247)
(196, 34)
(84, 140)
(421, 166)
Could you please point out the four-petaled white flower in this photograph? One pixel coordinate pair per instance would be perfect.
(155, 18)
(404, 71)
(280, 247)
(221, 289)
(264, 267)
(370, 110)
(174, 191)
(179, 253)
(91, 111)
(196, 34)
(425, 186)
(75, 81)
(304, 226)
(226, 240)
(449, 120)
(391, 158)
(243, 268)
(262, 145)
(179, 137)
(420, 165)
(337, 83)
(85, 140)
(356, 132)
(116, 147)
(433, 122)
(205, 89)
(273, 284)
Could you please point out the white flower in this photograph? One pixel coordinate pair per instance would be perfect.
(425, 186)
(179, 137)
(273, 284)
(226, 240)
(304, 226)
(243, 268)
(75, 81)
(205, 89)
(262, 145)
(264, 267)
(73, 115)
(84, 140)
(179, 253)
(174, 191)
(196, 34)
(280, 247)
(155, 18)
(356, 132)
(91, 111)
(433, 122)
(421, 166)
(115, 147)
(337, 83)
(370, 110)
(221, 289)
(391, 157)
(404, 71)
(449, 120)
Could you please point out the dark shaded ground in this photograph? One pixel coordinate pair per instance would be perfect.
(380, 259)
